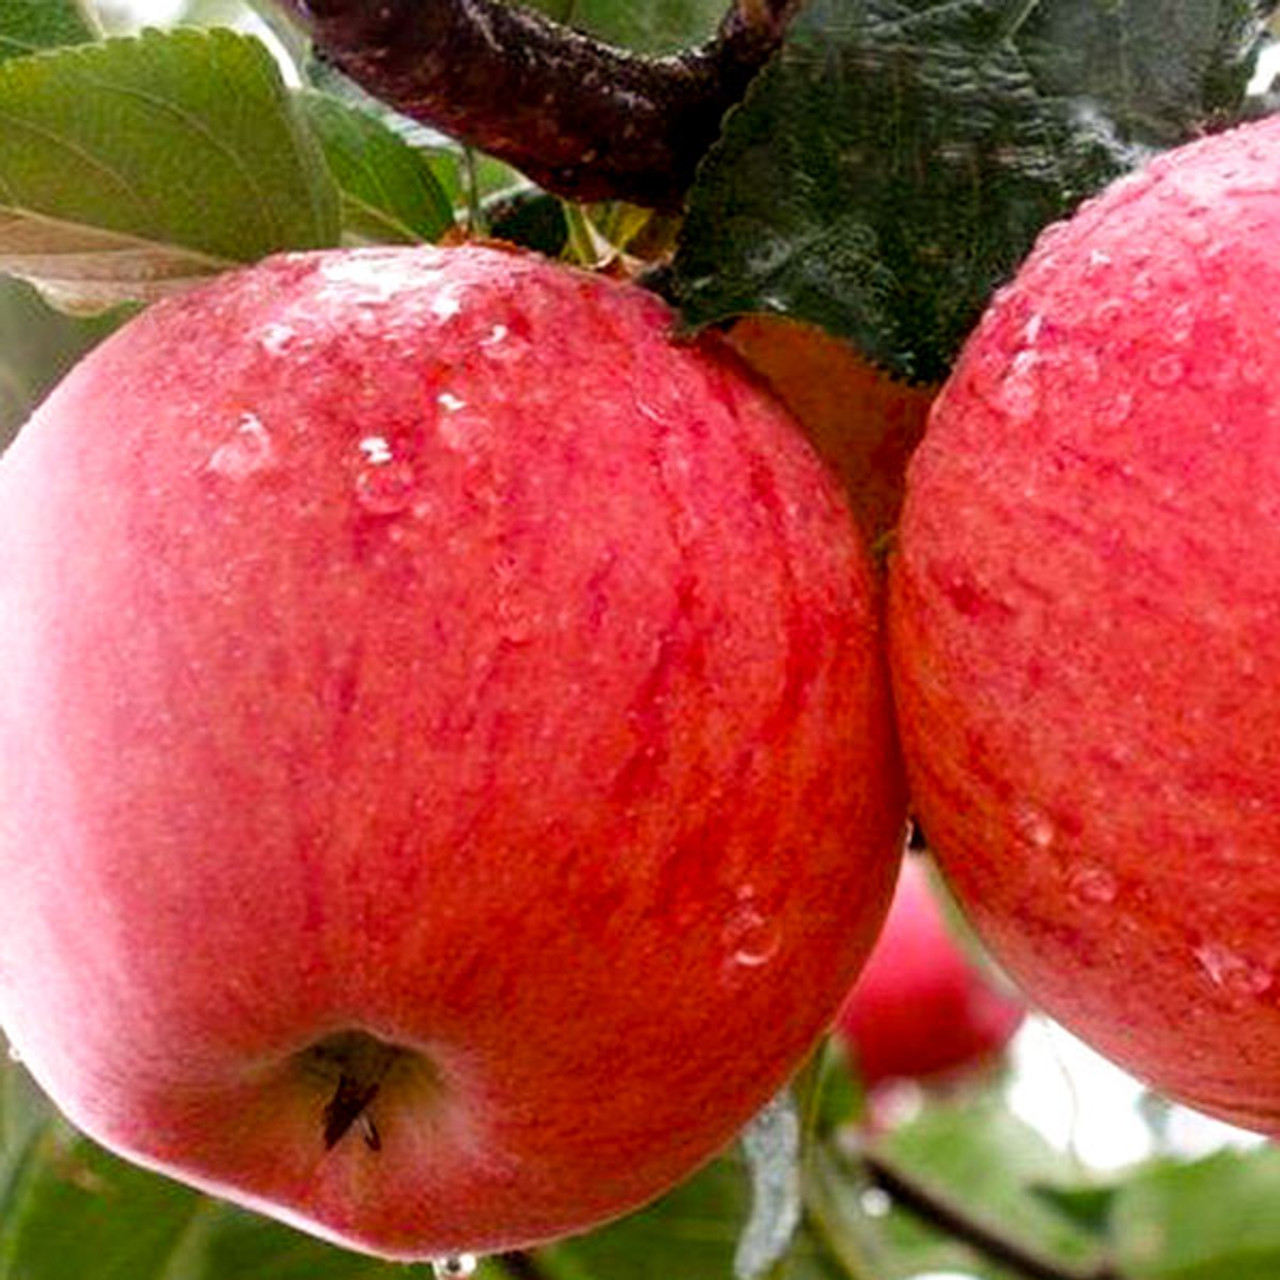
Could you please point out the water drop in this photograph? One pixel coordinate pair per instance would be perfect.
(1033, 825)
(1096, 265)
(1109, 312)
(1117, 411)
(276, 338)
(385, 484)
(1233, 972)
(1019, 393)
(1092, 885)
(248, 451)
(460, 1264)
(751, 937)
(875, 1202)
(1166, 372)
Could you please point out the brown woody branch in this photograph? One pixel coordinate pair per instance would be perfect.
(582, 118)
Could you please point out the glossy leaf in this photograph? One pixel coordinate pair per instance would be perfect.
(27, 26)
(388, 189)
(897, 161)
(1214, 1219)
(132, 168)
(37, 346)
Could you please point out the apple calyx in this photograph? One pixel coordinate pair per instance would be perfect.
(357, 1065)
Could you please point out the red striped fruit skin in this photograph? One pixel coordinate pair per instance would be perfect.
(417, 652)
(1085, 625)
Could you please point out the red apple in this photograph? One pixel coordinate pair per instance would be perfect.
(922, 1009)
(1086, 625)
(448, 779)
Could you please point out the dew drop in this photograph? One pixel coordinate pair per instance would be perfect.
(1092, 885)
(1117, 411)
(276, 339)
(1096, 265)
(875, 1202)
(1233, 972)
(1019, 393)
(459, 1264)
(751, 937)
(1033, 825)
(1108, 312)
(247, 451)
(385, 484)
(1166, 372)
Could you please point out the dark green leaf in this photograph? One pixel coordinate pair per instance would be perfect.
(897, 161)
(656, 26)
(530, 218)
(388, 189)
(131, 168)
(1215, 1219)
(29, 25)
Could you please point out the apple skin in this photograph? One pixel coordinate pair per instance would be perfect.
(921, 1009)
(1085, 626)
(418, 648)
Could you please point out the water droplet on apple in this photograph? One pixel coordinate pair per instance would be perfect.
(1092, 885)
(1233, 972)
(460, 1264)
(1166, 372)
(1033, 825)
(248, 450)
(751, 937)
(1116, 411)
(385, 484)
(276, 339)
(1019, 393)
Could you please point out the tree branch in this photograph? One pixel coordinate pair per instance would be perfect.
(582, 118)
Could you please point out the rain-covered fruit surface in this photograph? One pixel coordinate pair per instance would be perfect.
(448, 776)
(1085, 625)
(922, 1009)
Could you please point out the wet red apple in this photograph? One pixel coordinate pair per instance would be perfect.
(1086, 625)
(922, 1008)
(447, 771)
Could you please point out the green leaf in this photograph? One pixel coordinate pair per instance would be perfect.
(990, 1165)
(29, 25)
(132, 168)
(895, 163)
(388, 189)
(1214, 1219)
(73, 1209)
(37, 346)
(658, 26)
